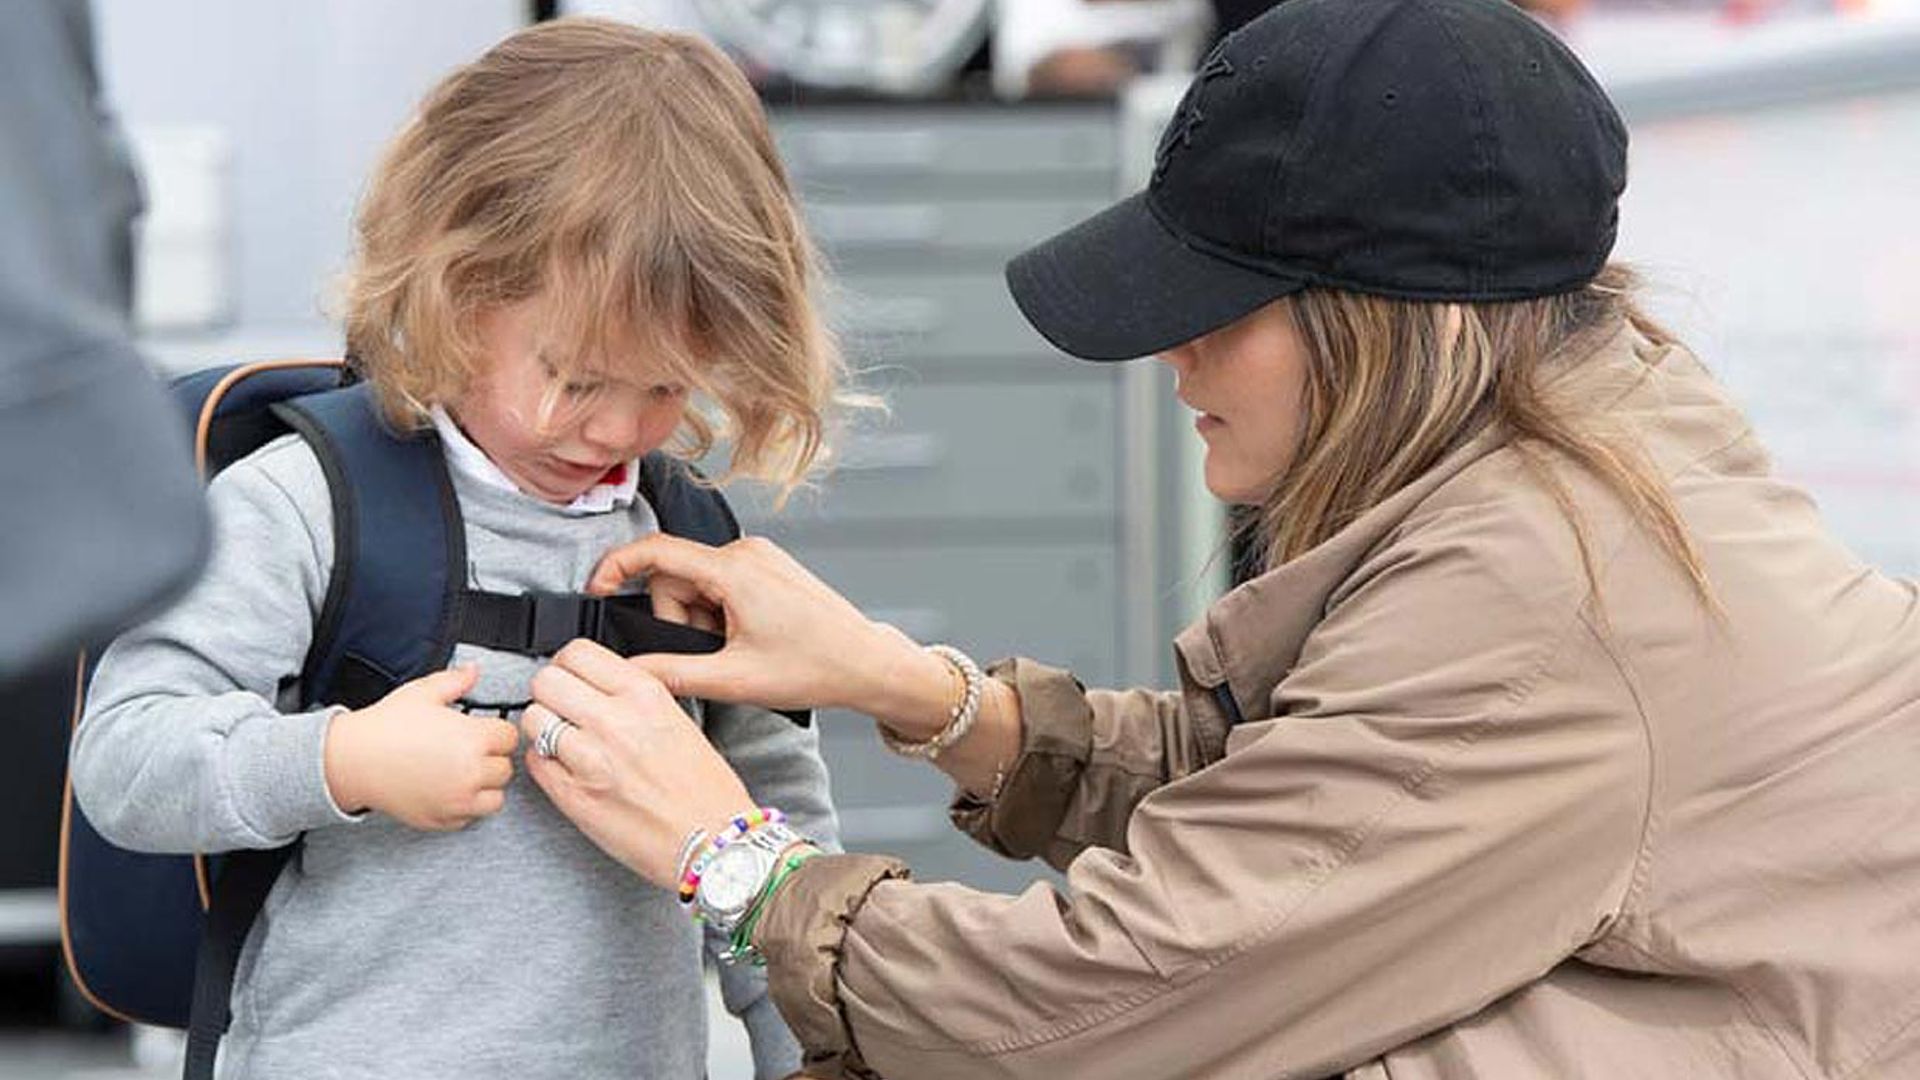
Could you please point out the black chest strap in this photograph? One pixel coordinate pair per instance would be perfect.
(539, 623)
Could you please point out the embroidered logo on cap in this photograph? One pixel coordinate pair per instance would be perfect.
(1191, 114)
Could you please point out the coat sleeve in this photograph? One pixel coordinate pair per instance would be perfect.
(1449, 801)
(1087, 758)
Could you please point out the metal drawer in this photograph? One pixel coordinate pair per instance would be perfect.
(907, 316)
(892, 806)
(1043, 146)
(1058, 603)
(866, 775)
(855, 234)
(981, 451)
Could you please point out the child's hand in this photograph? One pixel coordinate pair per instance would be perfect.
(414, 758)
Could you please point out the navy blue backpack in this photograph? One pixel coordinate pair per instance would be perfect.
(155, 939)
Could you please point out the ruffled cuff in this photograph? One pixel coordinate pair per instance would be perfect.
(1056, 743)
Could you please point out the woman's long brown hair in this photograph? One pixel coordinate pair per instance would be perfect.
(1393, 386)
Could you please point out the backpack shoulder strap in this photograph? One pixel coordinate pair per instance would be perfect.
(399, 550)
(389, 616)
(237, 894)
(685, 504)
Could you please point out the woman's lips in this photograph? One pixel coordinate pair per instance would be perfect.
(1207, 422)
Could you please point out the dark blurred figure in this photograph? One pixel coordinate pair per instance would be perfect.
(102, 515)
(1231, 15)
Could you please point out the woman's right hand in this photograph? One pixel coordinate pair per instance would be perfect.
(792, 641)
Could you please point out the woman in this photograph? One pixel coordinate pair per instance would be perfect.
(1557, 739)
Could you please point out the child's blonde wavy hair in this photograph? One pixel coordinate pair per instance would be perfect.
(628, 179)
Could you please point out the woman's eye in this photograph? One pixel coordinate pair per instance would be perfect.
(581, 389)
(665, 393)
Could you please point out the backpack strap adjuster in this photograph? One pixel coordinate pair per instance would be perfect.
(531, 624)
(553, 619)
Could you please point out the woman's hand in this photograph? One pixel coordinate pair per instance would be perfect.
(638, 775)
(792, 641)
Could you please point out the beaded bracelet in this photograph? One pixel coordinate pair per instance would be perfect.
(692, 846)
(960, 717)
(739, 827)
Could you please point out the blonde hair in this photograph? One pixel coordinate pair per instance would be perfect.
(628, 179)
(1393, 386)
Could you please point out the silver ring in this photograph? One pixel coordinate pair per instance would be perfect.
(547, 744)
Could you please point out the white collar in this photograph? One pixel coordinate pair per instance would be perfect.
(472, 461)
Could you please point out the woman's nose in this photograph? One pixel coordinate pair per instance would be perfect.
(1180, 358)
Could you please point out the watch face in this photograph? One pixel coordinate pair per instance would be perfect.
(733, 879)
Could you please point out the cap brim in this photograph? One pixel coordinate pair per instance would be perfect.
(1122, 285)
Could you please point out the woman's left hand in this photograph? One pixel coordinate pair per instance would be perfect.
(638, 775)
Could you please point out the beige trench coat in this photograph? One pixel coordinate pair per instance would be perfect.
(1425, 809)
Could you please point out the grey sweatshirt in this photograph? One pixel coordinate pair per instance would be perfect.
(513, 948)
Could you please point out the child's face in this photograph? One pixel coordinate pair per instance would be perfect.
(594, 424)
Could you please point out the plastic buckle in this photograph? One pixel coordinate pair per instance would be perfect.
(558, 618)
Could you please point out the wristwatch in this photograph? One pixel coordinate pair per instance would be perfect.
(734, 878)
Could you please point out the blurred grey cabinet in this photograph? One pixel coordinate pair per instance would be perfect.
(987, 507)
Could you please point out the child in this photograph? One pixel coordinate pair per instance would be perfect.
(578, 233)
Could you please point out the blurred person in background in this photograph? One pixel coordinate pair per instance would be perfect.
(103, 518)
(1091, 48)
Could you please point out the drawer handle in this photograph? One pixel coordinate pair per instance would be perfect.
(872, 149)
(896, 316)
(877, 225)
(893, 452)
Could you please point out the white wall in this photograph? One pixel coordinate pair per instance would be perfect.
(1786, 246)
(307, 93)
(1771, 203)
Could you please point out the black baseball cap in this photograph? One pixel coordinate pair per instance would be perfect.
(1420, 149)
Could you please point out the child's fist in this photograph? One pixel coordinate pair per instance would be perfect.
(415, 758)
